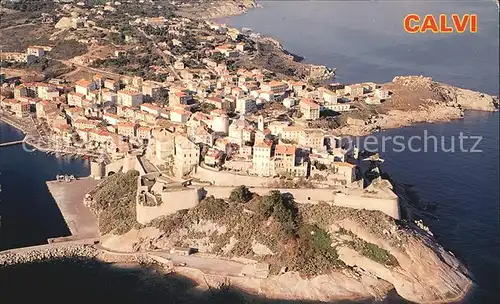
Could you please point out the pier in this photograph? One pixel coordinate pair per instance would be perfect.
(11, 143)
(69, 197)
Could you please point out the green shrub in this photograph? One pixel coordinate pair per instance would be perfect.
(170, 222)
(378, 254)
(240, 194)
(114, 202)
(211, 209)
(315, 253)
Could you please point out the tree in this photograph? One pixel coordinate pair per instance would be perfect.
(240, 194)
(320, 166)
(207, 107)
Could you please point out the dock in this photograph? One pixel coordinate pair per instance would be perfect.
(69, 197)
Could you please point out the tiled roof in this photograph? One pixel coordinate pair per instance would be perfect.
(285, 149)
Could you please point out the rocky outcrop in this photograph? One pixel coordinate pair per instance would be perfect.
(65, 23)
(450, 95)
(426, 272)
(343, 285)
(228, 8)
(467, 99)
(415, 99)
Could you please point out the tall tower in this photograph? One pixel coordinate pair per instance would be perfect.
(260, 123)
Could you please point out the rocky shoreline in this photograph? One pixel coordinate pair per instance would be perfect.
(445, 281)
(223, 9)
(450, 104)
(416, 99)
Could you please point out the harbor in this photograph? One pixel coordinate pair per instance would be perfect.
(35, 137)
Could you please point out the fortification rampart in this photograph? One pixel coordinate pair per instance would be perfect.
(384, 201)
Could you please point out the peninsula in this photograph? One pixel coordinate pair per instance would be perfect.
(218, 152)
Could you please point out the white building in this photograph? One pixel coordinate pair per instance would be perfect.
(187, 155)
(381, 93)
(289, 102)
(220, 121)
(129, 98)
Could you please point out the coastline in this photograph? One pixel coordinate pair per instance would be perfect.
(453, 113)
(35, 142)
(431, 113)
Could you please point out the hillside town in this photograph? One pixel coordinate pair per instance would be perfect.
(244, 120)
(200, 106)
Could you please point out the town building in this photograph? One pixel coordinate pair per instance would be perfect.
(126, 129)
(187, 155)
(276, 87)
(355, 90)
(261, 160)
(220, 122)
(179, 115)
(309, 109)
(245, 105)
(129, 98)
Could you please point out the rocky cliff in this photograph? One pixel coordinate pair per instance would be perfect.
(221, 9)
(330, 253)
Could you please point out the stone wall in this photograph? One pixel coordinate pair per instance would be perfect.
(189, 197)
(172, 202)
(385, 203)
(228, 179)
(129, 162)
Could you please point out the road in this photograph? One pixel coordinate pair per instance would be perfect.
(89, 69)
(162, 54)
(207, 265)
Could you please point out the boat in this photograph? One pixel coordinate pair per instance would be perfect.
(65, 178)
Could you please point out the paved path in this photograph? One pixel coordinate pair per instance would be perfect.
(206, 265)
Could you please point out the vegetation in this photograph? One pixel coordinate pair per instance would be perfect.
(373, 252)
(206, 107)
(316, 255)
(29, 5)
(272, 220)
(134, 64)
(320, 166)
(68, 49)
(114, 203)
(210, 208)
(240, 194)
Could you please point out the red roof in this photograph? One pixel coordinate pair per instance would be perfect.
(285, 149)
(83, 83)
(263, 144)
(309, 103)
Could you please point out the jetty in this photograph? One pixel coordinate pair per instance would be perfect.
(11, 143)
(69, 197)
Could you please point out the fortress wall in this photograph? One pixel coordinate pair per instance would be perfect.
(114, 166)
(224, 178)
(189, 198)
(171, 203)
(389, 206)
